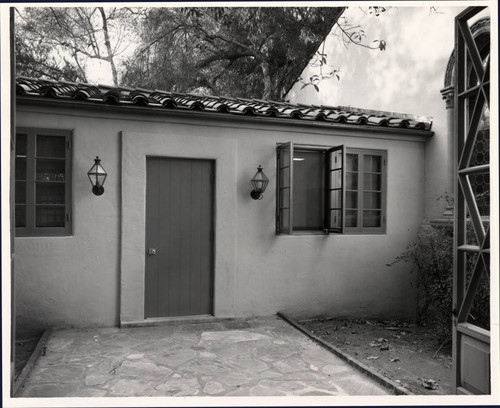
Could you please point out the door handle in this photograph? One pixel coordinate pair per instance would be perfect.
(151, 251)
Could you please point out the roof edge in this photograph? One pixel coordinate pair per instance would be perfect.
(66, 92)
(391, 132)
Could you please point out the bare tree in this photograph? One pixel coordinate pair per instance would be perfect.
(55, 42)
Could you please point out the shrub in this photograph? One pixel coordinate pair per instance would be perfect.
(432, 258)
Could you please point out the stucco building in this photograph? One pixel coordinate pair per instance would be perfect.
(176, 231)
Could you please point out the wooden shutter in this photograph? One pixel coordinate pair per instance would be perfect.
(284, 189)
(335, 191)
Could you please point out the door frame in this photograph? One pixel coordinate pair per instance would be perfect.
(174, 138)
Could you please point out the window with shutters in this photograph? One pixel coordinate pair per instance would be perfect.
(324, 189)
(43, 182)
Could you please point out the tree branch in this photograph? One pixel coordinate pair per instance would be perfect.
(231, 57)
(211, 37)
(350, 35)
(108, 46)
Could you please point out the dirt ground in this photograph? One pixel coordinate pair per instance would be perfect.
(404, 353)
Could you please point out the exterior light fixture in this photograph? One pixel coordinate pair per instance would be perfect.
(259, 184)
(97, 176)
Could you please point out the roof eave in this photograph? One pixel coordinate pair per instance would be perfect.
(159, 111)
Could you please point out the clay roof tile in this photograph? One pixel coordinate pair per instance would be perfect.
(127, 96)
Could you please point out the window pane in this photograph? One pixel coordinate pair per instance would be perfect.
(352, 162)
(20, 168)
(336, 159)
(284, 198)
(308, 191)
(50, 193)
(480, 184)
(285, 157)
(335, 199)
(372, 163)
(20, 197)
(335, 219)
(351, 198)
(21, 144)
(372, 218)
(20, 216)
(372, 200)
(49, 216)
(50, 170)
(351, 181)
(51, 146)
(285, 216)
(351, 218)
(336, 179)
(285, 177)
(372, 182)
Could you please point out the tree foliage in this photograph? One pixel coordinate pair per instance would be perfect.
(249, 52)
(252, 52)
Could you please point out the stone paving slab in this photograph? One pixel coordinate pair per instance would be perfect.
(241, 357)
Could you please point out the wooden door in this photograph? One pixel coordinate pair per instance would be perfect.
(179, 237)
(471, 335)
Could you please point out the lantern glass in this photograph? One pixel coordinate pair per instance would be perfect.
(97, 174)
(259, 181)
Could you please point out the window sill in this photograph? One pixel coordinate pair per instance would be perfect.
(365, 233)
(36, 235)
(299, 233)
(316, 233)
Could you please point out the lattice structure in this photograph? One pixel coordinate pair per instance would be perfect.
(471, 343)
(480, 156)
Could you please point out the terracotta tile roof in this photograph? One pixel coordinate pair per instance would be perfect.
(121, 96)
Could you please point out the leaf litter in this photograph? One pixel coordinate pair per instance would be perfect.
(407, 352)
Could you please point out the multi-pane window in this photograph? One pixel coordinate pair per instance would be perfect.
(43, 182)
(365, 191)
(330, 189)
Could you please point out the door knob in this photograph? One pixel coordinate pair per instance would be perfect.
(151, 251)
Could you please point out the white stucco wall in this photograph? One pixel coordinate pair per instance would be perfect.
(96, 276)
(62, 281)
(406, 77)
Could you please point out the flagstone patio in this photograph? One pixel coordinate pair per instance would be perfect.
(251, 357)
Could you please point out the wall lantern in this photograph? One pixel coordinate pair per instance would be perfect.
(97, 176)
(259, 184)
